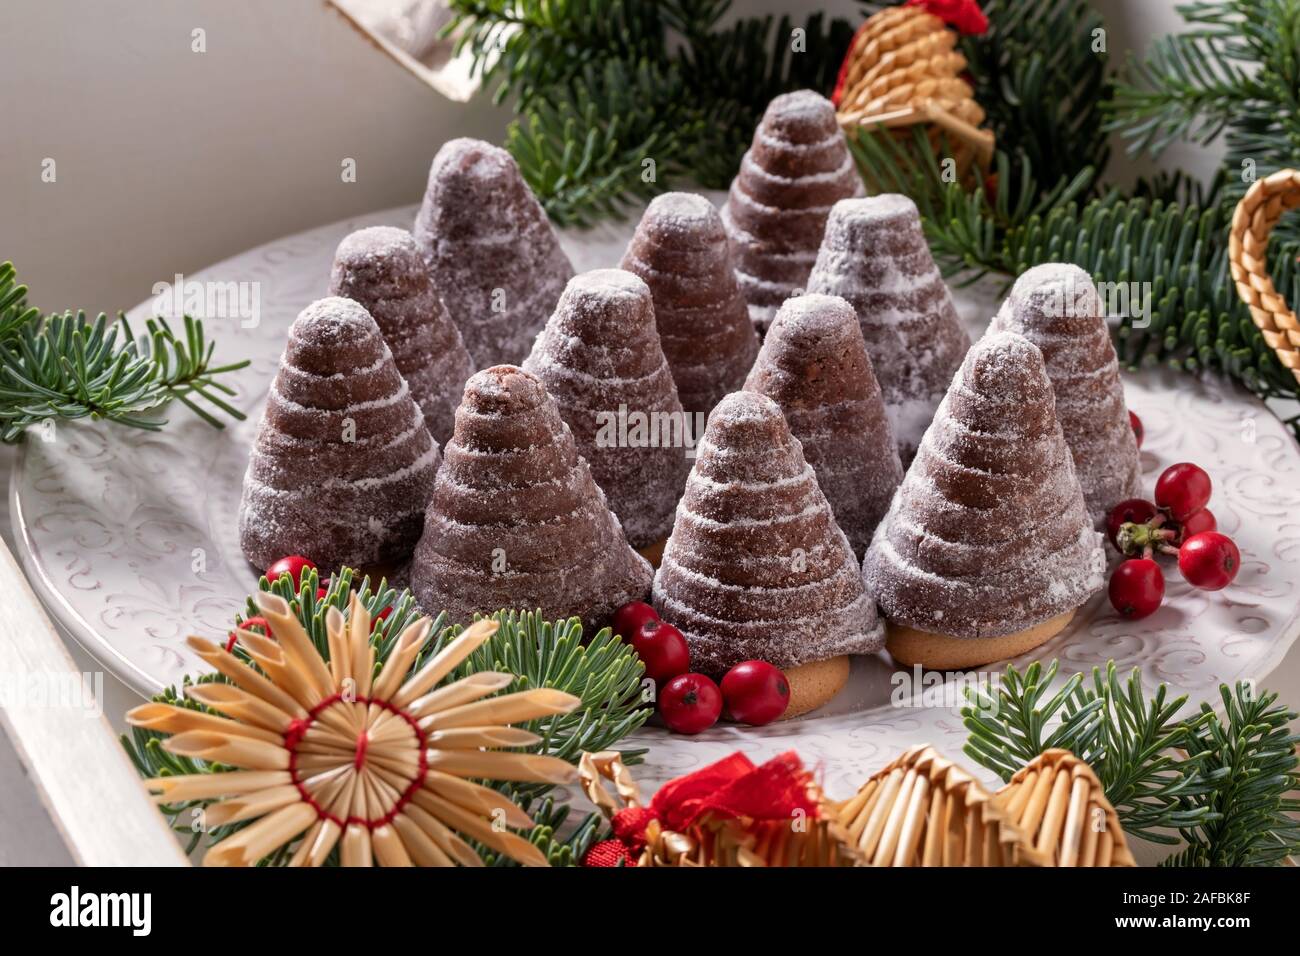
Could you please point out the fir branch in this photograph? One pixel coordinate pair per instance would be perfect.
(534, 46)
(1235, 68)
(599, 92)
(608, 140)
(69, 367)
(1249, 764)
(1042, 81)
(1219, 781)
(15, 313)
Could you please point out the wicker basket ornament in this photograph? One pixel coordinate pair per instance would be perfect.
(903, 69)
(924, 810)
(730, 813)
(1058, 803)
(1267, 201)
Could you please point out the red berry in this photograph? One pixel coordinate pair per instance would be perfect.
(294, 565)
(690, 703)
(1136, 588)
(1135, 510)
(1199, 523)
(629, 618)
(250, 624)
(1138, 431)
(662, 650)
(755, 692)
(1209, 560)
(1182, 490)
(383, 615)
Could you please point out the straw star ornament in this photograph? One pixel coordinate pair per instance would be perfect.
(327, 753)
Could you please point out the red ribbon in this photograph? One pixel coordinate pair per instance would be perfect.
(963, 15)
(732, 787)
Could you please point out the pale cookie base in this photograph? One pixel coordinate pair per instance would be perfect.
(943, 652)
(654, 553)
(812, 685)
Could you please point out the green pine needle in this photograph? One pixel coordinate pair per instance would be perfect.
(67, 367)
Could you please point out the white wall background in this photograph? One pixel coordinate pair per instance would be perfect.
(168, 160)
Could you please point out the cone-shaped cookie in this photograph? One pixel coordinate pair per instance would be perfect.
(756, 566)
(874, 256)
(382, 268)
(796, 169)
(681, 251)
(343, 464)
(516, 520)
(599, 358)
(1056, 307)
(814, 364)
(495, 258)
(988, 549)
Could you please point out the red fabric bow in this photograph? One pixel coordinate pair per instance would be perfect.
(732, 787)
(964, 15)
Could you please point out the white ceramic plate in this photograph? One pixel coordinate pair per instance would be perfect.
(130, 537)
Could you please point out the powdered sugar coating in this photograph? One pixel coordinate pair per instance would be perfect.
(1056, 306)
(516, 520)
(680, 250)
(599, 358)
(342, 464)
(496, 260)
(988, 534)
(874, 256)
(814, 364)
(797, 168)
(756, 567)
(383, 269)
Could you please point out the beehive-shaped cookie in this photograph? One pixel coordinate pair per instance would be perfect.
(342, 465)
(987, 542)
(496, 260)
(1056, 307)
(516, 520)
(599, 358)
(796, 169)
(680, 249)
(874, 256)
(756, 566)
(383, 269)
(814, 364)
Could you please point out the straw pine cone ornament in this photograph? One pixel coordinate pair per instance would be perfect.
(924, 810)
(327, 753)
(1058, 803)
(903, 68)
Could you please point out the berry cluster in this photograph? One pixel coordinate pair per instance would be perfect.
(1176, 524)
(752, 692)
